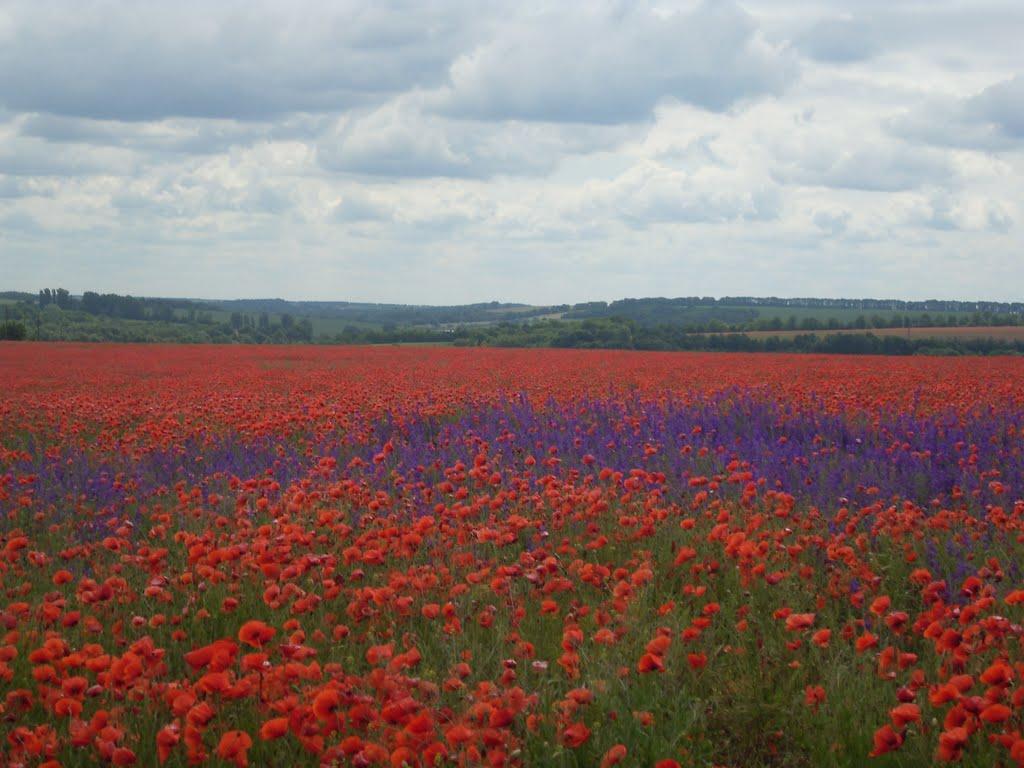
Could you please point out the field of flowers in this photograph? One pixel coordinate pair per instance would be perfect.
(423, 556)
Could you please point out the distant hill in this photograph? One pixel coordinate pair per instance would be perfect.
(739, 310)
(653, 322)
(393, 314)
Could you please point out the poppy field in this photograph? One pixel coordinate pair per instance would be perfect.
(420, 556)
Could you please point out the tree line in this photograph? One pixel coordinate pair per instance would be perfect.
(889, 305)
(57, 315)
(619, 333)
(711, 316)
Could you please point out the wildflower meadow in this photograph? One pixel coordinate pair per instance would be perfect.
(428, 556)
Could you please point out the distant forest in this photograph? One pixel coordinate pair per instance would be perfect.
(687, 323)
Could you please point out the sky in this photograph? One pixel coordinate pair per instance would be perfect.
(454, 151)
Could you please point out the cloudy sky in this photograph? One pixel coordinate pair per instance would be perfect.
(454, 151)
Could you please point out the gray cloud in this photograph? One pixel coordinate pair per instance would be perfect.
(1002, 106)
(833, 223)
(458, 150)
(401, 139)
(33, 157)
(877, 168)
(113, 59)
(992, 120)
(182, 136)
(13, 187)
(947, 31)
(839, 40)
(613, 65)
(947, 213)
(18, 223)
(361, 208)
(394, 140)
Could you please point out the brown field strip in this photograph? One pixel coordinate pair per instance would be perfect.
(1001, 332)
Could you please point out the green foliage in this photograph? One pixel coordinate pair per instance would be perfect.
(13, 330)
(625, 334)
(396, 314)
(701, 315)
(55, 324)
(694, 323)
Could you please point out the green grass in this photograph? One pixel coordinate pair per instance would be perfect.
(745, 708)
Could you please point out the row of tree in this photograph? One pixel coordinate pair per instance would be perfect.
(693, 314)
(617, 333)
(13, 330)
(61, 297)
(716, 317)
(891, 305)
(589, 334)
(121, 321)
(897, 320)
(113, 317)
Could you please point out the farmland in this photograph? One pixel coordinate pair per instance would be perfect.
(998, 332)
(423, 556)
(643, 323)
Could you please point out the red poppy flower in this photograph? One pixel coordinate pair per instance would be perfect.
(234, 748)
(255, 634)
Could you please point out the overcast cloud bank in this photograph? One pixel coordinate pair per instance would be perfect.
(452, 152)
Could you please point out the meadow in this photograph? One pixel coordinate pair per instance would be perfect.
(421, 556)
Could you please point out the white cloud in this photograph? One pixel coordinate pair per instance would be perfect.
(547, 151)
(394, 140)
(121, 60)
(991, 120)
(943, 212)
(832, 222)
(649, 195)
(842, 39)
(20, 156)
(886, 168)
(402, 139)
(615, 63)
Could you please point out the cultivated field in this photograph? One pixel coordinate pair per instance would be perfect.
(1001, 332)
(291, 556)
